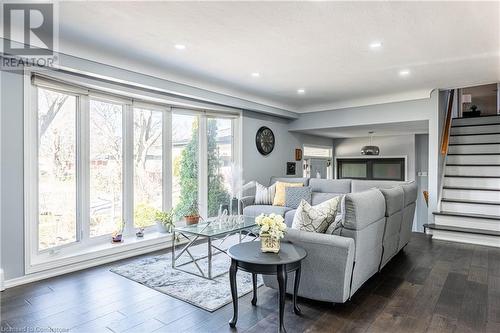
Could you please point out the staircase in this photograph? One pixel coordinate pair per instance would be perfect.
(470, 199)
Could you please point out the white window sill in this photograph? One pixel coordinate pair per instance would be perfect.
(97, 254)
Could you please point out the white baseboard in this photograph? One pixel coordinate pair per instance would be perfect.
(2, 277)
(461, 237)
(84, 264)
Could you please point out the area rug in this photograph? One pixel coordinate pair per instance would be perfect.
(157, 273)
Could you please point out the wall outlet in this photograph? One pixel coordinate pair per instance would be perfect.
(422, 173)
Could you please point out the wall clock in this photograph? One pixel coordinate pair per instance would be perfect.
(264, 139)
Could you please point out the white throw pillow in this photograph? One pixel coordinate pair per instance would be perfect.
(315, 218)
(334, 228)
(264, 195)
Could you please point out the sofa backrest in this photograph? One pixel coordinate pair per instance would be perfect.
(410, 197)
(363, 185)
(340, 186)
(364, 222)
(394, 204)
(302, 180)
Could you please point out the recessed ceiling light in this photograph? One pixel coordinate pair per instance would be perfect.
(301, 91)
(404, 72)
(180, 46)
(255, 74)
(376, 45)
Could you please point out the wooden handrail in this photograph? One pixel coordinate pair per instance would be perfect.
(445, 141)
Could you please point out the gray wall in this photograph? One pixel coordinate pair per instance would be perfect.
(261, 168)
(11, 172)
(422, 166)
(393, 145)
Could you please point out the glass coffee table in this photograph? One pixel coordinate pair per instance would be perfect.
(216, 234)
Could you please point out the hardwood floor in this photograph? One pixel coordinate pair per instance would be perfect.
(432, 286)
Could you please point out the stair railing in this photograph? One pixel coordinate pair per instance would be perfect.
(445, 142)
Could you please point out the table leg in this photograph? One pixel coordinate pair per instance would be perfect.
(173, 249)
(254, 281)
(209, 258)
(281, 274)
(234, 291)
(296, 290)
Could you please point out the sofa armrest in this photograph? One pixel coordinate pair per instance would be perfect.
(247, 201)
(327, 269)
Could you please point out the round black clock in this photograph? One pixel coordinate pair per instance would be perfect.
(264, 139)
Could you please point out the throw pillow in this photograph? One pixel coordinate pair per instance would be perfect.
(279, 197)
(315, 218)
(293, 196)
(264, 195)
(334, 228)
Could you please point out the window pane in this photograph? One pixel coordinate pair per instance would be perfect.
(147, 166)
(105, 167)
(220, 151)
(56, 169)
(353, 170)
(184, 164)
(387, 171)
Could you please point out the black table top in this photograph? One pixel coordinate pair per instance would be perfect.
(250, 252)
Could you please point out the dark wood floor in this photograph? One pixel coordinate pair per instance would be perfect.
(432, 286)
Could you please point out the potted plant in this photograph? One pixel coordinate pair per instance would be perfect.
(164, 221)
(272, 230)
(192, 216)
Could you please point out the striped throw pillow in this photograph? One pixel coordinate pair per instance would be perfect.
(264, 195)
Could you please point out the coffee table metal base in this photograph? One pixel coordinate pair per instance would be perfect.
(280, 271)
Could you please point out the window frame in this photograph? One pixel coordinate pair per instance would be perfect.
(369, 162)
(38, 260)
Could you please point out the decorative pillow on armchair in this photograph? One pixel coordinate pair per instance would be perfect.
(279, 197)
(264, 195)
(294, 195)
(315, 218)
(335, 226)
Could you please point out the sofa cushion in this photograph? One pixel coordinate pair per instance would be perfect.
(363, 185)
(255, 210)
(294, 195)
(279, 197)
(410, 193)
(304, 181)
(264, 195)
(289, 217)
(317, 198)
(330, 185)
(393, 199)
(315, 218)
(363, 209)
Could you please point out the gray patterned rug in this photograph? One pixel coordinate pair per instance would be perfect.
(157, 273)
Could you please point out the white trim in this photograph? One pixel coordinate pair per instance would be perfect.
(2, 280)
(202, 167)
(128, 169)
(120, 251)
(462, 237)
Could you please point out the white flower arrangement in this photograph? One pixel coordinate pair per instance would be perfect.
(272, 225)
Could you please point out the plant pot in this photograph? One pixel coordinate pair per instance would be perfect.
(269, 244)
(192, 219)
(162, 228)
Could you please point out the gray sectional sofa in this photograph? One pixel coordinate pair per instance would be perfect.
(377, 225)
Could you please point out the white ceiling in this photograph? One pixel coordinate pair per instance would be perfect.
(322, 47)
(399, 128)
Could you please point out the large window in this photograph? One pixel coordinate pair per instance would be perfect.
(101, 163)
(373, 169)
